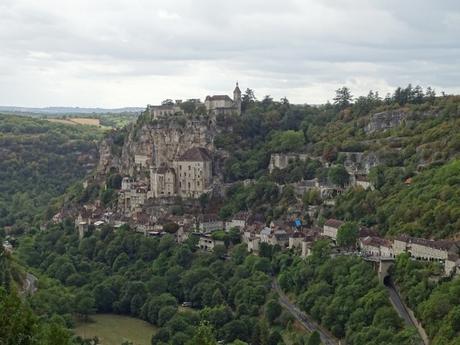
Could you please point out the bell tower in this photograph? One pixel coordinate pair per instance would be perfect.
(237, 98)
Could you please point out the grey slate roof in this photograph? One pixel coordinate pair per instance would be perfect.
(195, 154)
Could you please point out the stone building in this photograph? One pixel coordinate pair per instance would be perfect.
(207, 243)
(281, 160)
(162, 182)
(190, 176)
(331, 228)
(239, 221)
(157, 111)
(133, 197)
(295, 240)
(194, 172)
(375, 246)
(210, 222)
(223, 104)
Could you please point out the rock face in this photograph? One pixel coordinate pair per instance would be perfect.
(359, 162)
(383, 121)
(107, 159)
(281, 160)
(152, 144)
(157, 144)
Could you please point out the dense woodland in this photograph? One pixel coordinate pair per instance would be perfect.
(39, 160)
(437, 304)
(420, 151)
(126, 273)
(344, 295)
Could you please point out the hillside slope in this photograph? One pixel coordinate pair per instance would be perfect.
(38, 161)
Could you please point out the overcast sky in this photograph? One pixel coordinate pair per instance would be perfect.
(115, 53)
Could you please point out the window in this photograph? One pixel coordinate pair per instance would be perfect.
(189, 167)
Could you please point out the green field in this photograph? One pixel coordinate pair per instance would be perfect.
(114, 329)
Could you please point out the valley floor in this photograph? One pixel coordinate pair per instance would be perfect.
(114, 329)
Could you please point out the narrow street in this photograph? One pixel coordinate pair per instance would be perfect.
(305, 320)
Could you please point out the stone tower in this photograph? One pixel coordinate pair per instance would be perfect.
(237, 99)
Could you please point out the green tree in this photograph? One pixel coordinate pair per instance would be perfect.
(314, 338)
(84, 305)
(204, 335)
(338, 175)
(343, 97)
(272, 310)
(347, 235)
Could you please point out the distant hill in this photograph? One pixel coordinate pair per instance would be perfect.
(68, 110)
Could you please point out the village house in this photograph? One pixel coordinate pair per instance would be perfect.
(143, 223)
(251, 235)
(429, 250)
(363, 182)
(400, 244)
(331, 228)
(274, 236)
(295, 240)
(307, 245)
(134, 197)
(253, 243)
(239, 221)
(371, 245)
(210, 222)
(424, 249)
(157, 111)
(162, 182)
(206, 242)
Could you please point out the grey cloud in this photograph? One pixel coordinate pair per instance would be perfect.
(276, 45)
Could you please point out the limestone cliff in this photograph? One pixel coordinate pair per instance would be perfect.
(380, 122)
(152, 143)
(385, 120)
(157, 143)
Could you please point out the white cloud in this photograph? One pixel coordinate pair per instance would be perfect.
(133, 52)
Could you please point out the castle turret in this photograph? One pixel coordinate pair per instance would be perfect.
(237, 98)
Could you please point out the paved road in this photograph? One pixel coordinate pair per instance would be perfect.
(304, 319)
(402, 311)
(398, 305)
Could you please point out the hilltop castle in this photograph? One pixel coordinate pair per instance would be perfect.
(214, 105)
(223, 104)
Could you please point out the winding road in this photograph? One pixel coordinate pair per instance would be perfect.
(398, 305)
(304, 319)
